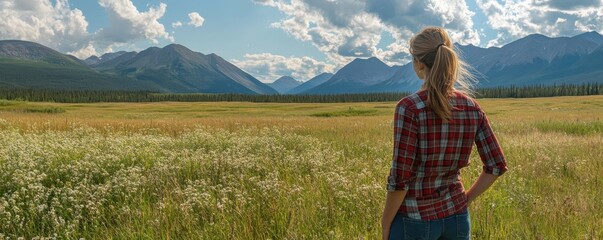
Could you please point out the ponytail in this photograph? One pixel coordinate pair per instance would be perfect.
(438, 83)
(433, 48)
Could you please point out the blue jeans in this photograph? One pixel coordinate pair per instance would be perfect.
(457, 226)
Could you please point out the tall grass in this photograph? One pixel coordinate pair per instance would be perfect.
(261, 175)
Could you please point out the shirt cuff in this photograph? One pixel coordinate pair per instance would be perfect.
(394, 185)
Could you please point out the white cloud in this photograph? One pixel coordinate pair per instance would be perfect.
(84, 52)
(346, 29)
(54, 25)
(58, 26)
(127, 24)
(515, 19)
(195, 19)
(176, 24)
(573, 4)
(268, 67)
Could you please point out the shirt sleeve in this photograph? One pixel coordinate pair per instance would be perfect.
(489, 150)
(405, 147)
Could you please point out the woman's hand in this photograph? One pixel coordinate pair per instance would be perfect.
(483, 182)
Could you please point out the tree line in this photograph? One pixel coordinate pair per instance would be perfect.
(92, 96)
(541, 91)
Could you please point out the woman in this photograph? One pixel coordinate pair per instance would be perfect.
(434, 131)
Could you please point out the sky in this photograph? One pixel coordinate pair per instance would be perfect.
(298, 38)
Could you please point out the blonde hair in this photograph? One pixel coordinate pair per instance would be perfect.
(444, 69)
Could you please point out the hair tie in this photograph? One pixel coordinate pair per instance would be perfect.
(441, 44)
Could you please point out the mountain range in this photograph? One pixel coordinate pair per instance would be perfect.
(537, 59)
(173, 68)
(176, 68)
(533, 60)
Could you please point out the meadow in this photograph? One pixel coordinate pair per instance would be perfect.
(238, 170)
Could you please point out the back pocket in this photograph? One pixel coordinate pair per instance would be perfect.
(416, 229)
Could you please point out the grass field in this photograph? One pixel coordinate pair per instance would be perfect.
(277, 171)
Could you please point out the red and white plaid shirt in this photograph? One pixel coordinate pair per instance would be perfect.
(429, 153)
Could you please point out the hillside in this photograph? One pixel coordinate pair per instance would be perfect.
(355, 77)
(284, 84)
(313, 82)
(31, 65)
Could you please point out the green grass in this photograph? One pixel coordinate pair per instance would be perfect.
(260, 171)
(25, 107)
(4, 103)
(575, 128)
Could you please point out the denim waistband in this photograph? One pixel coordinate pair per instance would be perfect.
(462, 212)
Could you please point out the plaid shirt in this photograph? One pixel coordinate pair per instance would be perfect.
(429, 153)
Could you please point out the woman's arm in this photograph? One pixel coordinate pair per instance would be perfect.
(402, 171)
(392, 204)
(492, 157)
(482, 183)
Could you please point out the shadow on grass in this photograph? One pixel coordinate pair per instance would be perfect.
(39, 109)
(351, 112)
